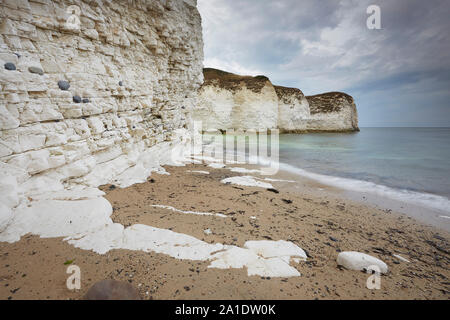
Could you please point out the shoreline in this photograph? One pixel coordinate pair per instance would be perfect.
(424, 214)
(315, 220)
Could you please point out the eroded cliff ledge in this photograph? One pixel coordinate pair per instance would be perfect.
(230, 101)
(87, 105)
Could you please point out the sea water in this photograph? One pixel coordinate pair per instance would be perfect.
(403, 169)
(407, 165)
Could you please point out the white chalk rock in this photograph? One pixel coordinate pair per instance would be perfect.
(54, 218)
(271, 249)
(262, 258)
(5, 216)
(217, 165)
(247, 181)
(235, 257)
(399, 257)
(9, 192)
(360, 261)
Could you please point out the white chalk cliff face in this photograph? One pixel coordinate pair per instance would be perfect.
(78, 100)
(293, 110)
(333, 111)
(107, 101)
(229, 101)
(104, 98)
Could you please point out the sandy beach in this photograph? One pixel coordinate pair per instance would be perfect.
(321, 224)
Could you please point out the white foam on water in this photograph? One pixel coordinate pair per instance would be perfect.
(189, 212)
(426, 200)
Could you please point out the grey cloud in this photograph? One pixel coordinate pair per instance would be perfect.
(325, 45)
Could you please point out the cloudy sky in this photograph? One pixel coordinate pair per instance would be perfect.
(399, 75)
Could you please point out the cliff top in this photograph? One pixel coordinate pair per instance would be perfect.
(284, 93)
(328, 102)
(231, 81)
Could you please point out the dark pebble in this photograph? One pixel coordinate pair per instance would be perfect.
(287, 201)
(112, 187)
(334, 239)
(76, 99)
(10, 66)
(36, 70)
(273, 190)
(86, 100)
(63, 85)
(187, 288)
(120, 83)
(436, 236)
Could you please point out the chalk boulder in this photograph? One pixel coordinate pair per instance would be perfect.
(360, 261)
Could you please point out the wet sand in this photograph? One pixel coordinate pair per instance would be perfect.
(304, 213)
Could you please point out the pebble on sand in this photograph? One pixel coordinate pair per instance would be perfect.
(360, 261)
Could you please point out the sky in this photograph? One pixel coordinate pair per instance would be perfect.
(399, 75)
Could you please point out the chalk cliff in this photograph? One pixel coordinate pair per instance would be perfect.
(332, 111)
(90, 95)
(293, 110)
(230, 101)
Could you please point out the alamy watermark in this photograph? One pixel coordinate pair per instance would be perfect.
(73, 282)
(253, 147)
(374, 20)
(374, 281)
(73, 21)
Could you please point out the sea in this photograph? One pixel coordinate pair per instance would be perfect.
(404, 168)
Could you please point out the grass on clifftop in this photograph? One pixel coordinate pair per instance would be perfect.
(231, 81)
